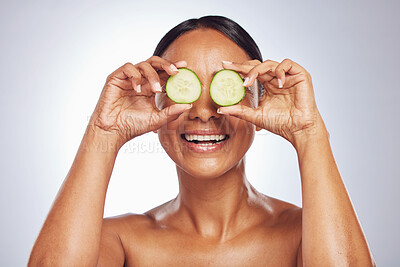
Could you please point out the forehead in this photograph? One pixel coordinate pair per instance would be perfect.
(205, 49)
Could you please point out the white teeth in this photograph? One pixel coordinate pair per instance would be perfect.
(191, 137)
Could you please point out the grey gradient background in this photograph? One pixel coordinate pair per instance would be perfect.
(56, 55)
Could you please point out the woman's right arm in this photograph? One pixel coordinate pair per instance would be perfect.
(73, 231)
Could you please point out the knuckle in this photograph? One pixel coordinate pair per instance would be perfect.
(136, 75)
(257, 68)
(254, 61)
(252, 72)
(308, 76)
(128, 65)
(145, 64)
(151, 59)
(148, 65)
(140, 65)
(155, 58)
(269, 63)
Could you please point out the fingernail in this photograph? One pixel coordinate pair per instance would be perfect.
(190, 106)
(246, 81)
(181, 62)
(219, 111)
(172, 66)
(226, 62)
(139, 88)
(157, 86)
(280, 83)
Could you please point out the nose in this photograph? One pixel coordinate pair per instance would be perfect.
(204, 108)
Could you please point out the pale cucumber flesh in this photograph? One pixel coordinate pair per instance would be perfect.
(183, 87)
(227, 88)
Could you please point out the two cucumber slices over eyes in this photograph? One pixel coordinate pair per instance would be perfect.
(226, 87)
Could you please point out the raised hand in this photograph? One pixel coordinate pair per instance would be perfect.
(126, 107)
(288, 106)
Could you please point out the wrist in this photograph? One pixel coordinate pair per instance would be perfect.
(314, 134)
(98, 140)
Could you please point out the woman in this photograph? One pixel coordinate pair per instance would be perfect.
(218, 218)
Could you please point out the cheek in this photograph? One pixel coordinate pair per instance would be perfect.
(167, 136)
(243, 135)
(243, 129)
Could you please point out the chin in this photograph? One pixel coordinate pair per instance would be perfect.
(206, 165)
(206, 168)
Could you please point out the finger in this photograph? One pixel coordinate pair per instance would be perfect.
(151, 76)
(170, 113)
(163, 79)
(287, 66)
(253, 62)
(127, 77)
(162, 64)
(243, 112)
(180, 64)
(264, 70)
(290, 81)
(241, 68)
(164, 75)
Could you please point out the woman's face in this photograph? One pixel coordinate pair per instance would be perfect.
(204, 50)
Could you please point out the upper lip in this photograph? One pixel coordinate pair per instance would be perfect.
(205, 132)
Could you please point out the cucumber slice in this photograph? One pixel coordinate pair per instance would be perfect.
(183, 87)
(227, 88)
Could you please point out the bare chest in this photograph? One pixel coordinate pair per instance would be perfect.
(248, 250)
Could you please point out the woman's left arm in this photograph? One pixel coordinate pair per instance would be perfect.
(331, 232)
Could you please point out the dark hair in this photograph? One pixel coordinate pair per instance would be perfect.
(222, 24)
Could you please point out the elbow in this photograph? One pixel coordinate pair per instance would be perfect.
(51, 261)
(36, 261)
(373, 262)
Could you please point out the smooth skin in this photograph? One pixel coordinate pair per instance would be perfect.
(218, 218)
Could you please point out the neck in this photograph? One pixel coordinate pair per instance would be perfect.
(211, 206)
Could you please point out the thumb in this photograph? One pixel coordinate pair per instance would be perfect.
(170, 113)
(243, 112)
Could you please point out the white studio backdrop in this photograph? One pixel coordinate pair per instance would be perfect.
(56, 55)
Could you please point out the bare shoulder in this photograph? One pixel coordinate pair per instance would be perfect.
(125, 223)
(117, 234)
(286, 221)
(282, 213)
(133, 225)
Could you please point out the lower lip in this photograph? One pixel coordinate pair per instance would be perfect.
(204, 148)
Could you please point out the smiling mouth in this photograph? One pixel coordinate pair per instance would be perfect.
(205, 139)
